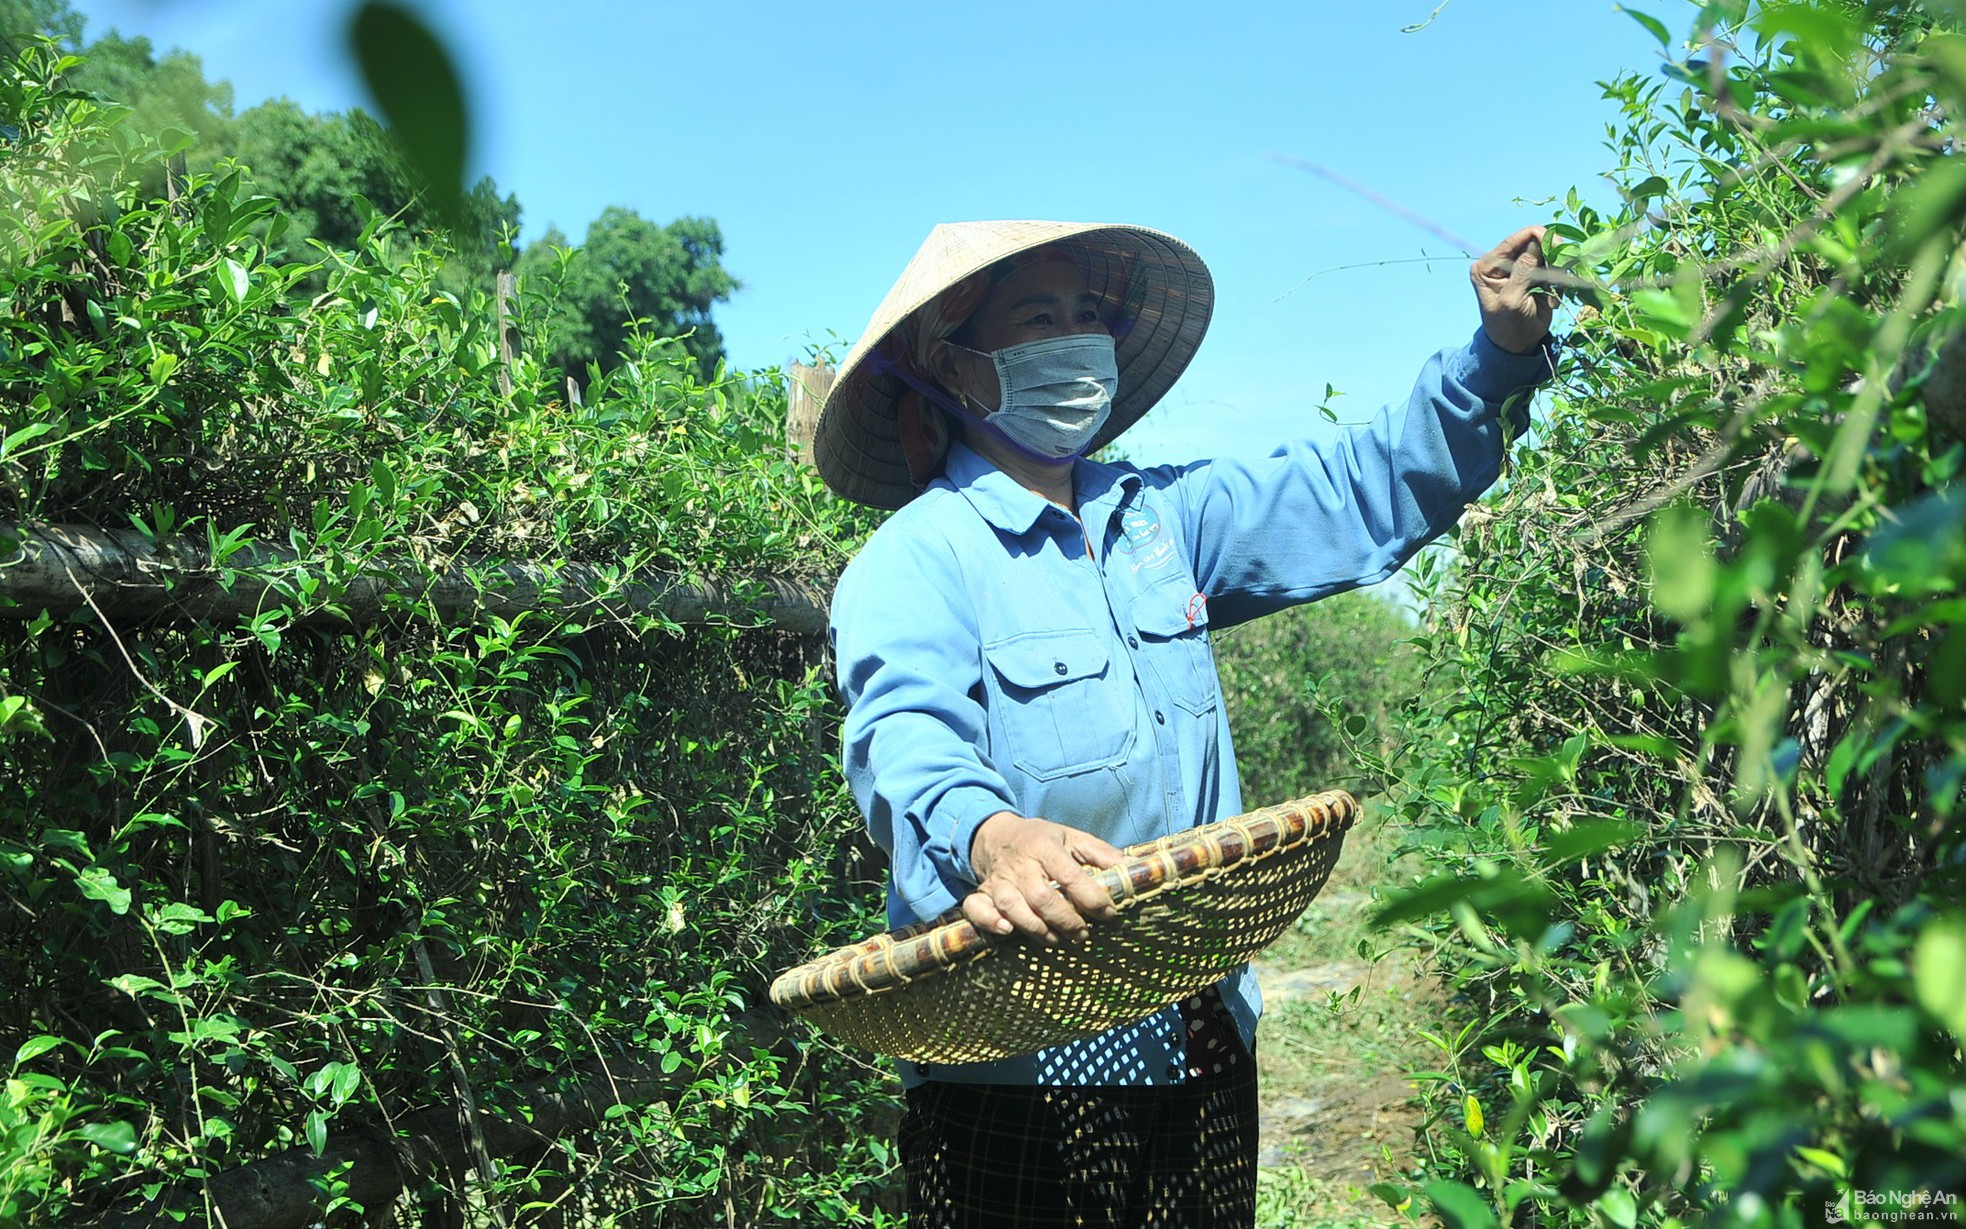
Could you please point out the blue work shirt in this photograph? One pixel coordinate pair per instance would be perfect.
(998, 653)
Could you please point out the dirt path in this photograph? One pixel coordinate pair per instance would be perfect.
(1337, 1105)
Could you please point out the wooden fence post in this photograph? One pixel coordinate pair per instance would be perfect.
(503, 300)
(806, 389)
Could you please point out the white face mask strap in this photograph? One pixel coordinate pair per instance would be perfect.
(940, 398)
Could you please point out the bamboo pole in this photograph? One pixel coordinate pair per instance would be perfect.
(120, 571)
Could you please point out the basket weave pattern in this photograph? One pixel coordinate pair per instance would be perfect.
(1192, 907)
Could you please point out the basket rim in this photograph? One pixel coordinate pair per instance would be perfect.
(897, 958)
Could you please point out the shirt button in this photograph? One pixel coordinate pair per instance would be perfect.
(1160, 716)
(1133, 642)
(1060, 667)
(1174, 1071)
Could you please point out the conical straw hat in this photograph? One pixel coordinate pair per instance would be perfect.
(1153, 282)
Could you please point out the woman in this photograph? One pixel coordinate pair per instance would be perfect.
(1024, 651)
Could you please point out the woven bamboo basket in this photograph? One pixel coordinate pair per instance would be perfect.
(1190, 909)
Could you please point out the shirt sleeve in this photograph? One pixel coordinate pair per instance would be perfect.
(905, 643)
(1317, 517)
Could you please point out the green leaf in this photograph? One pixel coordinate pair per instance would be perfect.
(179, 918)
(1649, 187)
(15, 439)
(1938, 967)
(1672, 311)
(1683, 580)
(1946, 53)
(1395, 1197)
(384, 480)
(134, 984)
(1647, 744)
(1829, 1162)
(1583, 840)
(1501, 893)
(1459, 1207)
(1827, 33)
(1923, 548)
(98, 884)
(236, 281)
(1653, 24)
(417, 89)
(34, 1047)
(1933, 203)
(17, 716)
(346, 1081)
(317, 1131)
(111, 1136)
(1618, 1207)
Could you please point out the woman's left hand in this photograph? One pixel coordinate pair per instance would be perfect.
(1517, 299)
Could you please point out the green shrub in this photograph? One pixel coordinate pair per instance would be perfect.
(1300, 684)
(283, 881)
(1695, 822)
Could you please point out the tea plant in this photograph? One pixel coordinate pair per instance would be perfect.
(285, 883)
(1695, 813)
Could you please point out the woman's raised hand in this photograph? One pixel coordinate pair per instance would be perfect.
(1512, 284)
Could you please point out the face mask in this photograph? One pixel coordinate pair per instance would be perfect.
(1054, 395)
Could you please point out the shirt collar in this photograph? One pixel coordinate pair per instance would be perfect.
(1000, 498)
(1014, 508)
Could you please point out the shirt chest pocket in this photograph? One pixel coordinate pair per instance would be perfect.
(1060, 703)
(1173, 624)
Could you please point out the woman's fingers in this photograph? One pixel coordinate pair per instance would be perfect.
(1081, 888)
(1037, 882)
(999, 909)
(1039, 908)
(1030, 913)
(1091, 851)
(983, 914)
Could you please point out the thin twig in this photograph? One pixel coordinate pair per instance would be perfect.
(195, 722)
(1378, 198)
(1705, 466)
(487, 1172)
(1418, 26)
(1308, 278)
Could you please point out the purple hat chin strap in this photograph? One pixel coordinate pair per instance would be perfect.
(938, 396)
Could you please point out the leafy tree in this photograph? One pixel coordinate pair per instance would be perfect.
(630, 273)
(164, 92)
(23, 20)
(336, 171)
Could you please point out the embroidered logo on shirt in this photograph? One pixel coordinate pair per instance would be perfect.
(1141, 537)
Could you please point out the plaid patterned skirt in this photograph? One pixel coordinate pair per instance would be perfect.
(1105, 1157)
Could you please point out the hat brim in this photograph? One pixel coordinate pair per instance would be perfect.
(1153, 283)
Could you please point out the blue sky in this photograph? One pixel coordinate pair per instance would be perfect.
(827, 140)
